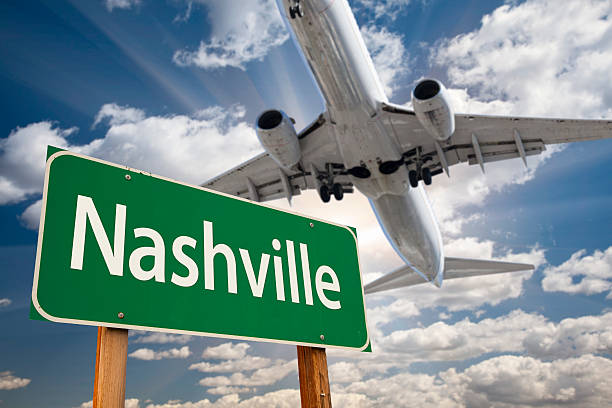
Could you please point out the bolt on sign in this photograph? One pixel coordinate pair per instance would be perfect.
(119, 247)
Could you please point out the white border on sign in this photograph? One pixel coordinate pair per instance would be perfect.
(161, 329)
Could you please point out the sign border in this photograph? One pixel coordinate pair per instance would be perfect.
(49, 317)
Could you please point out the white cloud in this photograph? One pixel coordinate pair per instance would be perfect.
(30, 218)
(224, 390)
(226, 351)
(582, 273)
(388, 54)
(120, 4)
(118, 115)
(260, 377)
(22, 159)
(148, 354)
(385, 8)
(5, 302)
(9, 382)
(277, 399)
(161, 338)
(536, 58)
(344, 372)
(171, 146)
(505, 381)
(129, 403)
(236, 41)
(515, 332)
(246, 363)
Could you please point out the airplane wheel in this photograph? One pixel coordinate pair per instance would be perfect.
(414, 180)
(338, 191)
(299, 11)
(324, 194)
(426, 175)
(291, 12)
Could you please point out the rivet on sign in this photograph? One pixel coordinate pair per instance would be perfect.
(311, 225)
(120, 315)
(322, 337)
(128, 177)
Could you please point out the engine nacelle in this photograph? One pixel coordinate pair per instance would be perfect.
(278, 137)
(432, 109)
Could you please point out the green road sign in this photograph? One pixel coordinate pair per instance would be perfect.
(122, 248)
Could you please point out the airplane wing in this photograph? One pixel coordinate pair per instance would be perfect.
(261, 179)
(480, 139)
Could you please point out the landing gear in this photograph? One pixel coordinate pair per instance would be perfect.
(326, 186)
(296, 10)
(338, 191)
(414, 179)
(426, 175)
(324, 193)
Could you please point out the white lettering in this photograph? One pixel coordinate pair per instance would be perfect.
(295, 294)
(210, 250)
(278, 274)
(157, 251)
(112, 256)
(321, 286)
(306, 273)
(187, 262)
(257, 284)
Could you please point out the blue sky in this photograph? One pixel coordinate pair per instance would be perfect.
(174, 86)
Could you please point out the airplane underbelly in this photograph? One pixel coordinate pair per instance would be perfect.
(412, 230)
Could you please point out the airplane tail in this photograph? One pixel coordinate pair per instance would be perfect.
(453, 268)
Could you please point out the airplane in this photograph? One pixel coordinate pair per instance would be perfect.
(384, 150)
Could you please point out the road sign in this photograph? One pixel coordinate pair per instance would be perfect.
(122, 248)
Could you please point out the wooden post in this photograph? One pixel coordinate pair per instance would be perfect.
(111, 359)
(314, 382)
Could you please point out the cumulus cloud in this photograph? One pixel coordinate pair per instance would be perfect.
(516, 332)
(246, 363)
(22, 159)
(388, 54)
(9, 382)
(172, 146)
(120, 4)
(160, 338)
(4, 302)
(384, 8)
(129, 403)
(148, 354)
(278, 399)
(235, 42)
(226, 351)
(260, 377)
(537, 57)
(504, 381)
(582, 273)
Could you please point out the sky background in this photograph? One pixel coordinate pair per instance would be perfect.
(173, 87)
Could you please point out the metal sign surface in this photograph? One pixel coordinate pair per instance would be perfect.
(118, 247)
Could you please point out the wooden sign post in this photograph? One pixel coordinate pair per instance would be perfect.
(111, 359)
(314, 381)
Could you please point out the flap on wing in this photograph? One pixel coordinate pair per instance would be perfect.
(480, 139)
(261, 179)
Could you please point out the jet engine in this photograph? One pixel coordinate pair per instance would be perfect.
(278, 137)
(432, 109)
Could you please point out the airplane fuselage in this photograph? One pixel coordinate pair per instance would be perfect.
(332, 44)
